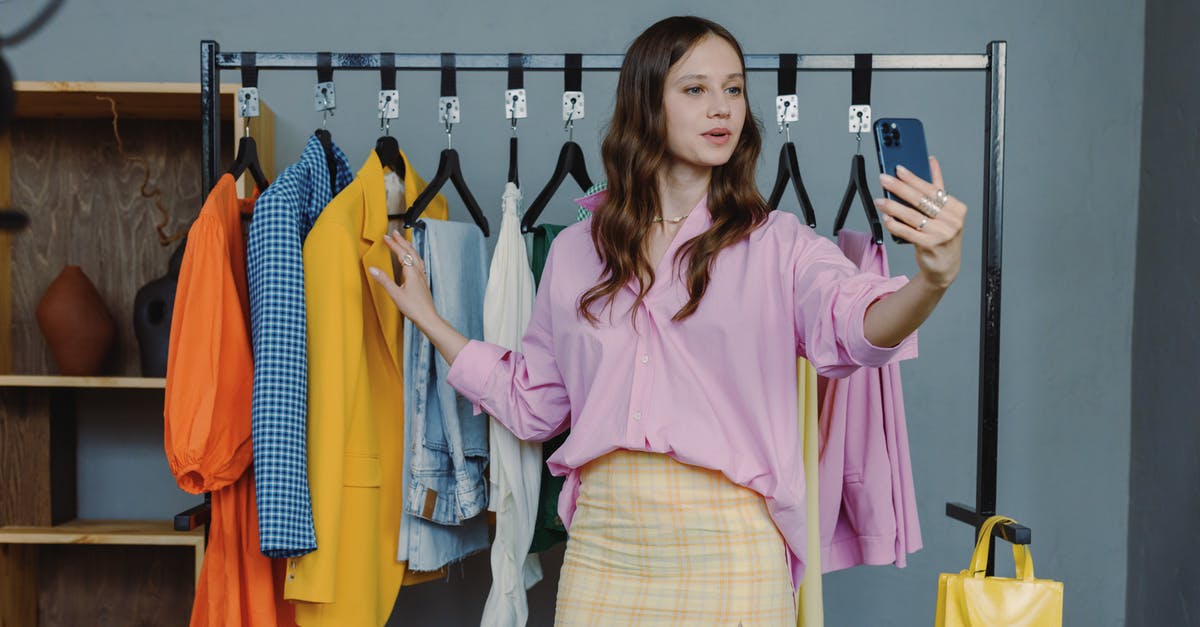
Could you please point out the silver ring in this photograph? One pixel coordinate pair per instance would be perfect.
(407, 260)
(921, 226)
(941, 197)
(927, 207)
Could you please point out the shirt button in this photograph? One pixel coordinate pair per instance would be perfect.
(645, 359)
(637, 415)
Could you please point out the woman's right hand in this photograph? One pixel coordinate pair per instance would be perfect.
(412, 293)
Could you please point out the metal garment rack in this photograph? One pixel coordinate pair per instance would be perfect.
(992, 63)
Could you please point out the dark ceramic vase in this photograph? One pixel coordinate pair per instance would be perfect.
(76, 323)
(152, 309)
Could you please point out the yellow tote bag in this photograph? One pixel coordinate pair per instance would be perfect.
(969, 599)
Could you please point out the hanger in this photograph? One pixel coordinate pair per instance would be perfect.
(449, 167)
(786, 111)
(325, 102)
(570, 157)
(386, 147)
(860, 112)
(247, 151)
(247, 159)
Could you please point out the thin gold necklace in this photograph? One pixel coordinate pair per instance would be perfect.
(681, 218)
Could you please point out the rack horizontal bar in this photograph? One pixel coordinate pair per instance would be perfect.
(595, 62)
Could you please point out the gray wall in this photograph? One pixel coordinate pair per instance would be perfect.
(1075, 77)
(1164, 496)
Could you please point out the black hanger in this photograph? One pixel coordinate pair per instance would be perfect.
(570, 157)
(246, 157)
(789, 165)
(325, 75)
(789, 170)
(513, 176)
(331, 161)
(449, 167)
(570, 161)
(858, 184)
(386, 147)
(858, 165)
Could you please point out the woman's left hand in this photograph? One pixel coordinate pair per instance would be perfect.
(936, 233)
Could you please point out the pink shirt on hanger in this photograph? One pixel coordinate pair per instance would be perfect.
(867, 500)
(717, 390)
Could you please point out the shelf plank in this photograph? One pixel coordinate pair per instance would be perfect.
(118, 532)
(112, 532)
(40, 381)
(83, 100)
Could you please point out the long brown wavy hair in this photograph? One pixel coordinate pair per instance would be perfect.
(634, 150)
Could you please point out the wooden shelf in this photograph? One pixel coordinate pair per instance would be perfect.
(110, 532)
(84, 100)
(126, 532)
(39, 381)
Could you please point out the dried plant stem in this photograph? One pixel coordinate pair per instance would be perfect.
(145, 189)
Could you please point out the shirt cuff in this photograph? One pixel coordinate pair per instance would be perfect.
(472, 368)
(860, 349)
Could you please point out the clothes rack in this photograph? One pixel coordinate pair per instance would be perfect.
(992, 63)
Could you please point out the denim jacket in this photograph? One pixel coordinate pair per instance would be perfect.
(447, 445)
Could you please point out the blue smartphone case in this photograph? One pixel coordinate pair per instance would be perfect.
(901, 141)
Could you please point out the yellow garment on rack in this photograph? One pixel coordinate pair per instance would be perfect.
(811, 612)
(355, 426)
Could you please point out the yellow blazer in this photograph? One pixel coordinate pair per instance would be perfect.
(356, 409)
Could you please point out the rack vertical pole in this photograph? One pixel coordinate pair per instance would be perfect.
(210, 116)
(989, 336)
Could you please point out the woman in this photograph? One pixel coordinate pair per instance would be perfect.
(665, 335)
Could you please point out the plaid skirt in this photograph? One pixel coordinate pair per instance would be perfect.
(657, 542)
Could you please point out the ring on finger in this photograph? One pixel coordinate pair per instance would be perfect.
(941, 198)
(408, 259)
(928, 208)
(921, 226)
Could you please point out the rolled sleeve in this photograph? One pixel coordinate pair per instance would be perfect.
(832, 296)
(861, 351)
(472, 368)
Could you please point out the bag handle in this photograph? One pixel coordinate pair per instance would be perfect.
(1021, 554)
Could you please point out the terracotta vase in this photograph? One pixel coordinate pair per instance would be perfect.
(77, 325)
(152, 309)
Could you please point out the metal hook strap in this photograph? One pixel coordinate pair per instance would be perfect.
(516, 70)
(324, 67)
(387, 70)
(573, 75)
(449, 75)
(249, 69)
(787, 74)
(861, 80)
(516, 80)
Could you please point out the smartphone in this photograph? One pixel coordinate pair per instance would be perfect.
(901, 141)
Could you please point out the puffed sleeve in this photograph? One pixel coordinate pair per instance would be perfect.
(206, 424)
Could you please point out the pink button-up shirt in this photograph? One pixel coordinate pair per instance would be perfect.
(717, 390)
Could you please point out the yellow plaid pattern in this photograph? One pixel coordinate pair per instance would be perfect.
(657, 542)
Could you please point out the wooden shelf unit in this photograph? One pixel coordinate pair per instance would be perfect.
(60, 164)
